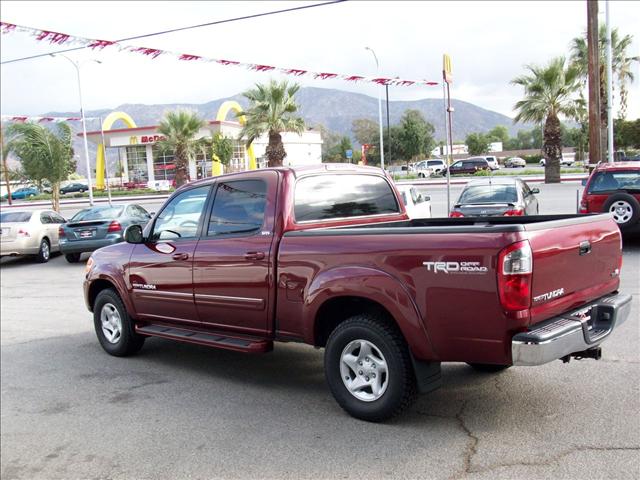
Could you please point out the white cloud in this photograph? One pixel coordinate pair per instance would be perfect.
(488, 41)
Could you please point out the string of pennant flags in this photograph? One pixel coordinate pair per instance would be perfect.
(57, 38)
(28, 119)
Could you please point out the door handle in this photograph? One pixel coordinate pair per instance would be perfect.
(585, 247)
(254, 255)
(180, 256)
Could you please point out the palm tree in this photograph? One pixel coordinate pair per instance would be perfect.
(45, 154)
(550, 91)
(179, 128)
(270, 111)
(622, 65)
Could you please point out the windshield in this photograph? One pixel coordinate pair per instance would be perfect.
(97, 213)
(489, 194)
(15, 217)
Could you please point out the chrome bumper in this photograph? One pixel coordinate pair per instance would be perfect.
(573, 332)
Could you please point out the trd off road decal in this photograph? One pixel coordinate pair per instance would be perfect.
(455, 267)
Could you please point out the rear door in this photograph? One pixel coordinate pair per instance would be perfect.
(573, 263)
(160, 270)
(233, 265)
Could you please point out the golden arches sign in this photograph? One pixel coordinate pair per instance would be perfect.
(108, 122)
(223, 111)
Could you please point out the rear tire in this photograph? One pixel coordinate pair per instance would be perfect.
(368, 368)
(113, 325)
(488, 367)
(73, 257)
(44, 253)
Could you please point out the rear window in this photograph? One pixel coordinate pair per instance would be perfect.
(15, 217)
(98, 213)
(326, 197)
(619, 180)
(489, 194)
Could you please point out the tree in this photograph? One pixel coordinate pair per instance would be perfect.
(622, 65)
(47, 152)
(627, 133)
(550, 91)
(365, 131)
(499, 133)
(271, 111)
(330, 143)
(416, 134)
(221, 148)
(477, 143)
(6, 147)
(179, 127)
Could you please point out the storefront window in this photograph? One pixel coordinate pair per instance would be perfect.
(137, 163)
(238, 162)
(164, 167)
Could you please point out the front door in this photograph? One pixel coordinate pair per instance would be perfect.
(161, 270)
(233, 263)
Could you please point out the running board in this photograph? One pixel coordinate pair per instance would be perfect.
(238, 344)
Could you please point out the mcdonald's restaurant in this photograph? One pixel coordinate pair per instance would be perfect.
(140, 161)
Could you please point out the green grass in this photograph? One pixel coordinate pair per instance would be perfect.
(99, 194)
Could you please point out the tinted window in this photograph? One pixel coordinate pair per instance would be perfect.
(457, 165)
(45, 218)
(56, 218)
(140, 212)
(238, 208)
(489, 194)
(434, 164)
(181, 216)
(325, 197)
(15, 217)
(97, 213)
(620, 180)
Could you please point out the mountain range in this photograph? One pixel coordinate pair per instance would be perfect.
(335, 109)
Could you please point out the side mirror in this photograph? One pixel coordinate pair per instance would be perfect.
(584, 182)
(426, 198)
(133, 234)
(535, 190)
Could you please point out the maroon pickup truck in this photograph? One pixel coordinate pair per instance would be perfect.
(327, 256)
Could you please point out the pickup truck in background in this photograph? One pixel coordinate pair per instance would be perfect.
(326, 255)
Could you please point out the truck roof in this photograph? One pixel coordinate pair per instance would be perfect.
(618, 166)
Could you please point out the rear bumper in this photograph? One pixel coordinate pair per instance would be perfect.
(80, 246)
(20, 246)
(573, 332)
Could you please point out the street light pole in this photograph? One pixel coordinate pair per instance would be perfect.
(386, 87)
(379, 110)
(609, 90)
(84, 123)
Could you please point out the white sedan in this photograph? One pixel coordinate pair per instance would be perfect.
(417, 205)
(32, 232)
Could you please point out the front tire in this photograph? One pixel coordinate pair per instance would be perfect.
(113, 325)
(73, 257)
(368, 368)
(44, 253)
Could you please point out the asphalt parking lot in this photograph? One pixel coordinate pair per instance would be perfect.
(68, 410)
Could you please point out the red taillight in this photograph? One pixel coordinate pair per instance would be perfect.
(23, 233)
(114, 226)
(517, 212)
(584, 207)
(61, 232)
(515, 268)
(456, 215)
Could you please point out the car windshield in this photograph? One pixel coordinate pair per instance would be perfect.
(97, 213)
(15, 217)
(489, 194)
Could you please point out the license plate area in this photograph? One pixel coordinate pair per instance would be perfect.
(88, 233)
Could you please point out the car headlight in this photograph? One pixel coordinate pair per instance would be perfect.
(89, 265)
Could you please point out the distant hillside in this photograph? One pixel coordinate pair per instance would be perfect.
(335, 109)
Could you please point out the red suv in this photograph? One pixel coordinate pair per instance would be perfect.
(615, 188)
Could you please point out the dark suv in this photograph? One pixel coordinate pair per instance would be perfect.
(468, 166)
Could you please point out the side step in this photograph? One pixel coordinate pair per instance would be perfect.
(238, 344)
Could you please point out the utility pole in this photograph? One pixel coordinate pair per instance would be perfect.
(609, 90)
(388, 127)
(595, 146)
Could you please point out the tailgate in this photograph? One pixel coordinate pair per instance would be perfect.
(573, 264)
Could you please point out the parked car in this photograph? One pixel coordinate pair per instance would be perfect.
(399, 170)
(496, 197)
(416, 204)
(98, 226)
(492, 161)
(564, 162)
(32, 232)
(426, 168)
(328, 257)
(468, 166)
(22, 193)
(74, 187)
(514, 162)
(615, 188)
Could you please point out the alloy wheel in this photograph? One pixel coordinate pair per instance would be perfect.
(111, 323)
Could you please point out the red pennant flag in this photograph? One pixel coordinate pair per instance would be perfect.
(185, 56)
(46, 119)
(263, 68)
(149, 52)
(326, 76)
(353, 78)
(7, 27)
(53, 37)
(228, 62)
(294, 71)
(100, 44)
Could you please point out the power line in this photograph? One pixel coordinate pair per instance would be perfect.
(217, 22)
